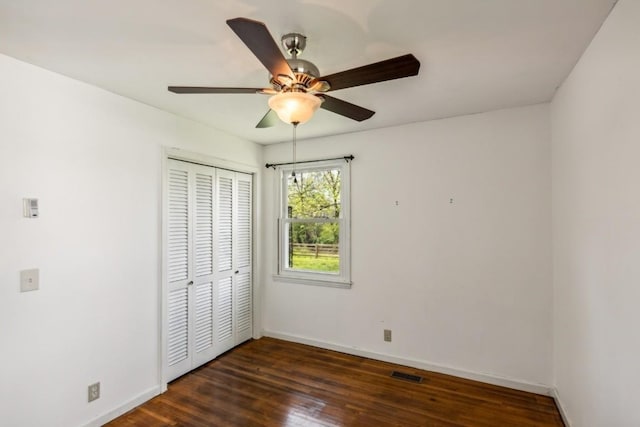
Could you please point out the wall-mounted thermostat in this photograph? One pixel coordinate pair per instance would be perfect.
(30, 207)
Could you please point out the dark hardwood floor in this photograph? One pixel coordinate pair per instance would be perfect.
(269, 382)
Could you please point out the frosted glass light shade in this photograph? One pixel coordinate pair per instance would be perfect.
(294, 107)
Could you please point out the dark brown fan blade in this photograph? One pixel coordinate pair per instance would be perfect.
(390, 69)
(258, 39)
(196, 89)
(269, 119)
(346, 109)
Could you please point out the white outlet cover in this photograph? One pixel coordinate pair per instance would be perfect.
(29, 280)
(93, 392)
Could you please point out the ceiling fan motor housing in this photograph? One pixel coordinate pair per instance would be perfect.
(304, 71)
(301, 66)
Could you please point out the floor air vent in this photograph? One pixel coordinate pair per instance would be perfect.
(406, 377)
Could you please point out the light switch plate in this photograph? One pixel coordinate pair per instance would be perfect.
(29, 280)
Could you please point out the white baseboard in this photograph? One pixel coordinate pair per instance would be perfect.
(419, 364)
(124, 408)
(563, 413)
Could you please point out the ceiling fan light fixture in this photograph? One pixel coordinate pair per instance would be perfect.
(294, 107)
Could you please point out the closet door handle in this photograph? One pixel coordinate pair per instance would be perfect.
(237, 271)
(190, 283)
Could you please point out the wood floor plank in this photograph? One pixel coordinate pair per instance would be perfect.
(269, 382)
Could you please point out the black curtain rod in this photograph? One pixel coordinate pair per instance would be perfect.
(273, 165)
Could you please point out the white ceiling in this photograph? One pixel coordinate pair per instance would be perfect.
(476, 55)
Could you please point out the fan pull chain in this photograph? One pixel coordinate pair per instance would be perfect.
(293, 173)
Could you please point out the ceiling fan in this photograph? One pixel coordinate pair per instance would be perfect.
(296, 86)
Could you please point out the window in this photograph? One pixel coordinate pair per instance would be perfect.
(313, 224)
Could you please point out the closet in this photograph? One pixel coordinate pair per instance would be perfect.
(208, 238)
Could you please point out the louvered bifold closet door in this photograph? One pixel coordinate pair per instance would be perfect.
(178, 253)
(224, 295)
(208, 241)
(243, 306)
(203, 265)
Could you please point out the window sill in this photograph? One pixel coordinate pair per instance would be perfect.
(335, 283)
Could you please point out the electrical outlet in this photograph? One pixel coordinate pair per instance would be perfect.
(94, 391)
(387, 335)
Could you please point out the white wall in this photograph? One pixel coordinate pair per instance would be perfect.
(94, 161)
(465, 285)
(596, 228)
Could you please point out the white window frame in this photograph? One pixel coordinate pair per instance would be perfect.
(342, 279)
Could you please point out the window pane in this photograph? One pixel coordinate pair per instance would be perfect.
(314, 194)
(313, 247)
